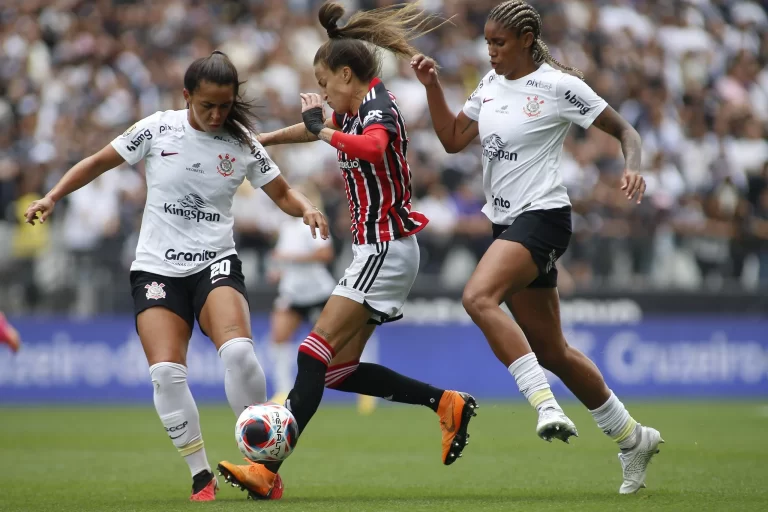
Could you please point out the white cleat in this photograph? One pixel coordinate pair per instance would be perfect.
(634, 462)
(554, 424)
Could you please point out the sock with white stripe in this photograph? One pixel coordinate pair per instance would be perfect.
(376, 380)
(614, 420)
(532, 382)
(315, 355)
(178, 412)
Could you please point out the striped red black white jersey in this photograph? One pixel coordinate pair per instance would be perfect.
(379, 193)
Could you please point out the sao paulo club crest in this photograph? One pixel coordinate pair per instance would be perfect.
(533, 107)
(225, 166)
(155, 291)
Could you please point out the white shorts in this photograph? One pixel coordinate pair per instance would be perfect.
(380, 277)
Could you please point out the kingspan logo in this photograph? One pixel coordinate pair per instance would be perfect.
(192, 206)
(493, 149)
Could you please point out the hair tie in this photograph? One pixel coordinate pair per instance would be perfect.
(217, 52)
(333, 32)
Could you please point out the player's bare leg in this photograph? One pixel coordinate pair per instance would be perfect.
(506, 268)
(165, 337)
(8, 334)
(538, 312)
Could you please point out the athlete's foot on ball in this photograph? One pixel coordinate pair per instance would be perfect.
(261, 483)
(554, 424)
(204, 487)
(455, 411)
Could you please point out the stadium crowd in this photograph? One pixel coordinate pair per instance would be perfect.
(690, 75)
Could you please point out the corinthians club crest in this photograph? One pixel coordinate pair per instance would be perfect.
(225, 166)
(155, 291)
(533, 107)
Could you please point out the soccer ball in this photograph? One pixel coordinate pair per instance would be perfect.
(266, 432)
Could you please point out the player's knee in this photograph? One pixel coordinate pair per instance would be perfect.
(475, 301)
(238, 356)
(166, 375)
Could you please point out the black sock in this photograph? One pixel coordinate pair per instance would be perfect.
(200, 480)
(306, 395)
(376, 380)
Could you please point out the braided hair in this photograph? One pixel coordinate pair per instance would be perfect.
(519, 16)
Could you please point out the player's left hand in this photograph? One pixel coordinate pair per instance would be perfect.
(316, 222)
(633, 184)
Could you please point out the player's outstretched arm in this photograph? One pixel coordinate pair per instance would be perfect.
(295, 134)
(455, 132)
(296, 204)
(82, 173)
(609, 121)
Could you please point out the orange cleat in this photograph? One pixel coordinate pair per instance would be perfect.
(261, 483)
(9, 335)
(455, 411)
(207, 493)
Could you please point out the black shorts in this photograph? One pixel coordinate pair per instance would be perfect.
(545, 233)
(186, 296)
(307, 312)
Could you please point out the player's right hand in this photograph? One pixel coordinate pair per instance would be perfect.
(42, 206)
(425, 68)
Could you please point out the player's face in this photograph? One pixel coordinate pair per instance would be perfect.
(209, 105)
(337, 88)
(506, 50)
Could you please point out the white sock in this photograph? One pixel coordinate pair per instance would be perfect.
(533, 383)
(178, 412)
(283, 356)
(244, 381)
(614, 420)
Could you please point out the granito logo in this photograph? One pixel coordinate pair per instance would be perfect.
(169, 128)
(539, 85)
(191, 209)
(492, 149)
(264, 166)
(183, 258)
(577, 102)
(145, 135)
(500, 202)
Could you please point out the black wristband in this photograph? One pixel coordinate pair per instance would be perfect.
(313, 119)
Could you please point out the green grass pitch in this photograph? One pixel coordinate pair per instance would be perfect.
(108, 459)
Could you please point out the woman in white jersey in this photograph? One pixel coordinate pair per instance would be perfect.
(305, 283)
(522, 111)
(186, 266)
(368, 130)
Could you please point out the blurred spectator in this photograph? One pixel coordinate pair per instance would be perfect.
(692, 76)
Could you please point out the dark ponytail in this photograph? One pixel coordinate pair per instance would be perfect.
(218, 69)
(390, 28)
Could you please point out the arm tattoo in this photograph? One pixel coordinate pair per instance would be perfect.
(325, 135)
(321, 332)
(613, 124)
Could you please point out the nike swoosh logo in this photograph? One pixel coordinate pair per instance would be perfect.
(216, 280)
(486, 100)
(163, 153)
(178, 436)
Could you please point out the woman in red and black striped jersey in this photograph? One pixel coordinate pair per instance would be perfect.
(369, 133)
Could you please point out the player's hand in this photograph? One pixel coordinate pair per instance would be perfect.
(633, 184)
(316, 222)
(312, 100)
(42, 206)
(313, 112)
(425, 68)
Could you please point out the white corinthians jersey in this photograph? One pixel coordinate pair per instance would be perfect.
(192, 177)
(522, 125)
